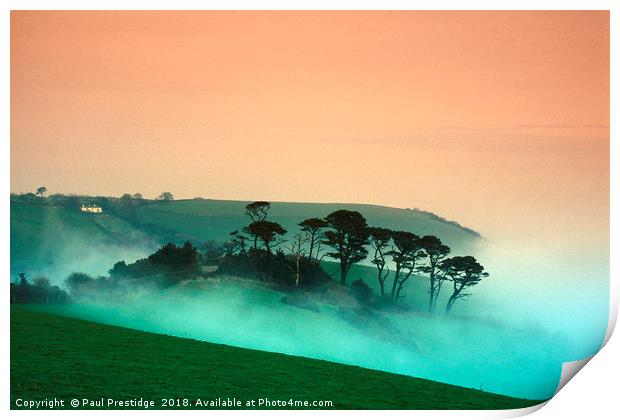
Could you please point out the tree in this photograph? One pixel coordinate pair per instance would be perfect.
(176, 258)
(297, 246)
(42, 282)
(348, 236)
(361, 291)
(237, 242)
(266, 231)
(78, 282)
(380, 239)
(41, 191)
(313, 228)
(436, 252)
(257, 211)
(39, 291)
(212, 249)
(463, 272)
(406, 251)
(22, 279)
(166, 196)
(230, 247)
(119, 269)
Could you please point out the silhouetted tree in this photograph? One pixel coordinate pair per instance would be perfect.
(42, 282)
(174, 257)
(167, 266)
(237, 242)
(436, 252)
(266, 231)
(380, 239)
(120, 269)
(361, 291)
(230, 248)
(463, 272)
(257, 211)
(39, 291)
(77, 283)
(406, 251)
(297, 247)
(212, 249)
(22, 279)
(166, 196)
(348, 236)
(41, 191)
(314, 228)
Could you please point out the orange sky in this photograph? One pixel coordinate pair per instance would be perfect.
(496, 119)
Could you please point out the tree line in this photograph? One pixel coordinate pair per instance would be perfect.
(258, 250)
(346, 237)
(37, 291)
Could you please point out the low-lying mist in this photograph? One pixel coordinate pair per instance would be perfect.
(486, 344)
(54, 247)
(538, 309)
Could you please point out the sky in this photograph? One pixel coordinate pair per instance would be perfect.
(499, 120)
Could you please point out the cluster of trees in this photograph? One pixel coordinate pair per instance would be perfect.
(166, 267)
(170, 265)
(41, 192)
(398, 256)
(260, 249)
(39, 291)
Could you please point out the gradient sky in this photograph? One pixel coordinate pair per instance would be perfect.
(499, 120)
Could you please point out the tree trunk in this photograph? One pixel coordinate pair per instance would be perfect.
(400, 287)
(343, 274)
(382, 283)
(297, 277)
(311, 248)
(437, 291)
(402, 282)
(455, 295)
(431, 297)
(395, 282)
(449, 305)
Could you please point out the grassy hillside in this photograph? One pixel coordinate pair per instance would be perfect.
(54, 356)
(215, 219)
(45, 238)
(54, 241)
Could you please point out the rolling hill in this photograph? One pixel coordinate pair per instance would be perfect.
(215, 219)
(57, 357)
(54, 240)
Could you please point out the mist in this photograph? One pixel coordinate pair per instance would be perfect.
(541, 306)
(511, 337)
(61, 247)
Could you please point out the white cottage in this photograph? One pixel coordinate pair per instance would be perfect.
(91, 208)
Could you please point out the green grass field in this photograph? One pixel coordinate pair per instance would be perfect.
(58, 357)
